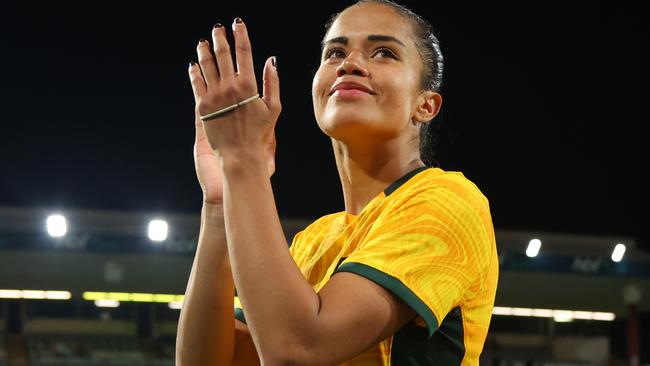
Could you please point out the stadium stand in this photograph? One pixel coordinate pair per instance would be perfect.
(83, 342)
(164, 338)
(109, 252)
(3, 352)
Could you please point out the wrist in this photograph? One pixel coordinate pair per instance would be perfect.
(212, 209)
(212, 203)
(243, 162)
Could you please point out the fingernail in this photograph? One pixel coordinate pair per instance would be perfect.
(217, 25)
(202, 40)
(238, 20)
(192, 63)
(274, 62)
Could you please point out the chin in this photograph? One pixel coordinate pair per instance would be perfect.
(347, 128)
(341, 120)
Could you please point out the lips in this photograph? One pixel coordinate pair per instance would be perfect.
(349, 85)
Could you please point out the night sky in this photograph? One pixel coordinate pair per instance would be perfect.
(543, 107)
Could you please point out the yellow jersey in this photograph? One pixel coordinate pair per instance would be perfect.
(429, 240)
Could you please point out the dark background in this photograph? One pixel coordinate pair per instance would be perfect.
(544, 107)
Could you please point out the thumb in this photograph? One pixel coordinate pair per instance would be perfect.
(198, 123)
(201, 143)
(272, 86)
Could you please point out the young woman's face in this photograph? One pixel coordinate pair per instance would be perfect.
(370, 55)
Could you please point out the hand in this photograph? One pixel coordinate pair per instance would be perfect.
(208, 168)
(206, 164)
(248, 130)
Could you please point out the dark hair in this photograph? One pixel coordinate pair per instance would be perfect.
(428, 47)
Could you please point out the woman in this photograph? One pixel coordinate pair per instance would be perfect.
(405, 275)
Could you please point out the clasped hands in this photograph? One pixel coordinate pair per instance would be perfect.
(245, 131)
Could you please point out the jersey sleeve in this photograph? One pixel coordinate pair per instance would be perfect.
(239, 311)
(432, 249)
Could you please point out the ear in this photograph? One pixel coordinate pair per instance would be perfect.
(427, 107)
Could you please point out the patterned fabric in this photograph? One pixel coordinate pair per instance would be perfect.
(429, 240)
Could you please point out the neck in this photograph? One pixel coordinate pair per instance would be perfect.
(365, 171)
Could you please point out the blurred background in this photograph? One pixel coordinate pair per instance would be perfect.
(544, 105)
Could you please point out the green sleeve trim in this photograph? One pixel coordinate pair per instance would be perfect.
(239, 314)
(396, 287)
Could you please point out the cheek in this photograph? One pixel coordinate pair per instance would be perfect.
(315, 86)
(314, 82)
(397, 97)
(406, 86)
(319, 86)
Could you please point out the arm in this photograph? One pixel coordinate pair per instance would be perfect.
(289, 322)
(208, 333)
(206, 329)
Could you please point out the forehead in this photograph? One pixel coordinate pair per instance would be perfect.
(360, 20)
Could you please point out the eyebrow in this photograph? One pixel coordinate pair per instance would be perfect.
(371, 37)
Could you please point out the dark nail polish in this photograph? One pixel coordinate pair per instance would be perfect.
(274, 62)
(192, 63)
(202, 40)
(218, 25)
(238, 20)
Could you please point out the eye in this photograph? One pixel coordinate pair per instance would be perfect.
(385, 52)
(336, 52)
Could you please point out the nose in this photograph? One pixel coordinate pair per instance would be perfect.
(353, 64)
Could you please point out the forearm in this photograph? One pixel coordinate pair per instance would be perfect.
(206, 328)
(280, 305)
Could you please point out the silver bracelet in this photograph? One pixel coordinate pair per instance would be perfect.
(223, 111)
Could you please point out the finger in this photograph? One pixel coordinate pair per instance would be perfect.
(206, 60)
(223, 53)
(272, 86)
(243, 51)
(196, 79)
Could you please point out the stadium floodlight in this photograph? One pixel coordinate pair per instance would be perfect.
(618, 253)
(502, 310)
(132, 297)
(10, 294)
(33, 294)
(522, 312)
(533, 248)
(604, 316)
(175, 305)
(543, 313)
(557, 315)
(107, 303)
(158, 230)
(562, 316)
(58, 295)
(56, 225)
(583, 315)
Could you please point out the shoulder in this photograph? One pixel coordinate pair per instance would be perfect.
(435, 199)
(322, 223)
(435, 184)
(318, 228)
